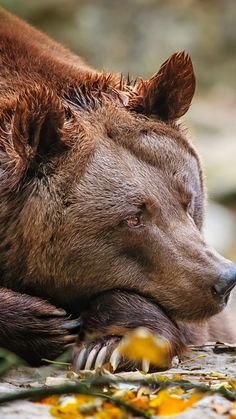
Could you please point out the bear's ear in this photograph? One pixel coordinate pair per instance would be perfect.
(30, 132)
(168, 94)
(37, 121)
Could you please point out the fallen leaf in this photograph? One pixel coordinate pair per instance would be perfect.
(52, 400)
(232, 413)
(232, 382)
(142, 344)
(68, 407)
(166, 404)
(141, 403)
(192, 359)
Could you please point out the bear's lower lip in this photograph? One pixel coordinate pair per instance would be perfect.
(226, 297)
(222, 298)
(224, 301)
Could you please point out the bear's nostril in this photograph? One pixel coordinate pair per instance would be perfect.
(224, 286)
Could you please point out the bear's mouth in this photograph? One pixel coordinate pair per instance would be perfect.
(227, 294)
(207, 311)
(222, 299)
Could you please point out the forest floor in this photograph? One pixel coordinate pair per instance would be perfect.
(210, 365)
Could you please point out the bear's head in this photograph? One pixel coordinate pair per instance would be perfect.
(100, 189)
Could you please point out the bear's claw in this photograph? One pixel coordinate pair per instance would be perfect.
(93, 355)
(96, 354)
(71, 324)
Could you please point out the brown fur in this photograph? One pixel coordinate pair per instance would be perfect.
(32, 327)
(83, 156)
(111, 315)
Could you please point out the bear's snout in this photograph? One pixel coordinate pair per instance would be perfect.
(224, 285)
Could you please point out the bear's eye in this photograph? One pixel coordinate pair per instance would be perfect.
(134, 221)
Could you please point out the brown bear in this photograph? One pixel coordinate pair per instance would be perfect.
(102, 206)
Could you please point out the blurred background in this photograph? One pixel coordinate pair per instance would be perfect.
(136, 36)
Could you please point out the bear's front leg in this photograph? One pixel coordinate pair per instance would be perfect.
(33, 328)
(108, 317)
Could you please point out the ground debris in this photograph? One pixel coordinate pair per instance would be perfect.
(203, 367)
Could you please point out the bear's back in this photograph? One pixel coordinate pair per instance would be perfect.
(28, 56)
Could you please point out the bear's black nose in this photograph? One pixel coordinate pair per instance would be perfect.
(224, 285)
